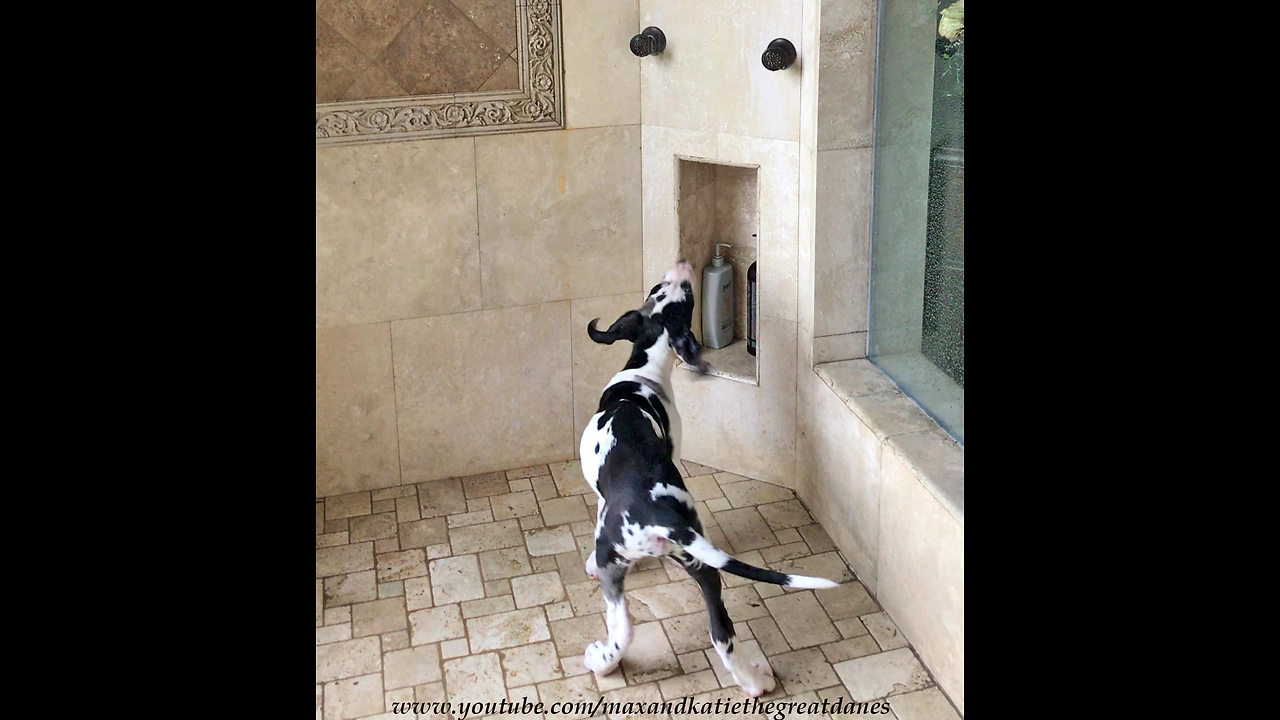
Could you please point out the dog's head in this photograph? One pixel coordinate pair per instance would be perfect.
(669, 309)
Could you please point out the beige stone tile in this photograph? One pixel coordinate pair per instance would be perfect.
(398, 640)
(767, 590)
(496, 360)
(392, 493)
(549, 541)
(803, 670)
(693, 662)
(846, 94)
(493, 588)
(508, 629)
(641, 699)
(343, 559)
(842, 239)
(319, 517)
(544, 488)
(849, 649)
(335, 616)
(421, 533)
(568, 479)
(572, 570)
(743, 603)
(601, 76)
(575, 691)
(435, 552)
(333, 633)
(353, 697)
(440, 497)
(637, 580)
(431, 693)
(412, 666)
(801, 619)
(887, 673)
(561, 511)
(585, 597)
(551, 203)
(477, 517)
(594, 364)
(356, 447)
(663, 601)
(750, 652)
(336, 526)
(786, 536)
(572, 666)
(386, 545)
(690, 684)
(938, 461)
(559, 611)
(718, 505)
(752, 492)
(348, 505)
(927, 704)
(488, 606)
(851, 627)
(827, 565)
(417, 593)
(531, 664)
(583, 527)
(454, 648)
(347, 659)
(780, 553)
(528, 472)
(477, 504)
(516, 504)
(650, 656)
(540, 589)
(817, 538)
(401, 565)
(377, 617)
(848, 600)
(771, 640)
(484, 484)
(531, 522)
(331, 539)
(396, 697)
(520, 485)
(456, 579)
(480, 538)
(319, 602)
(373, 527)
(703, 487)
(694, 469)
(689, 632)
(407, 509)
(475, 678)
(745, 529)
(435, 624)
(382, 210)
(505, 563)
(786, 514)
(573, 635)
(885, 632)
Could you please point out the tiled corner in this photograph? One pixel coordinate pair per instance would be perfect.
(356, 445)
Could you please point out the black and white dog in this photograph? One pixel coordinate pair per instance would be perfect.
(629, 450)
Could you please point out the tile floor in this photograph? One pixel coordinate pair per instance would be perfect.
(473, 589)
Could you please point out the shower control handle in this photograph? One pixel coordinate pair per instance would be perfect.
(650, 41)
(779, 55)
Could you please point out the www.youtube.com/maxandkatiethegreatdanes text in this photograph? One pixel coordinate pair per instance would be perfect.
(777, 709)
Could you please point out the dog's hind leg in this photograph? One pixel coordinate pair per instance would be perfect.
(603, 656)
(755, 677)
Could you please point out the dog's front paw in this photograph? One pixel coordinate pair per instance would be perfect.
(756, 678)
(590, 568)
(600, 658)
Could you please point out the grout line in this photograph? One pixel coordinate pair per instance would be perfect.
(475, 176)
(395, 411)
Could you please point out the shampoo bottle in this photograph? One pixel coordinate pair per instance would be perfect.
(717, 301)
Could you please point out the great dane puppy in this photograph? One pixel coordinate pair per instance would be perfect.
(629, 450)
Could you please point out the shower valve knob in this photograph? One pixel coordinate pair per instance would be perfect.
(650, 41)
(779, 55)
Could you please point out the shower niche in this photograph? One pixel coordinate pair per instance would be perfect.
(719, 203)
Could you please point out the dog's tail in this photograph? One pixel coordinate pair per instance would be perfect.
(702, 549)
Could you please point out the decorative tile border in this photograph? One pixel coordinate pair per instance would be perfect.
(537, 105)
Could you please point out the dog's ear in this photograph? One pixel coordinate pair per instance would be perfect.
(690, 352)
(626, 327)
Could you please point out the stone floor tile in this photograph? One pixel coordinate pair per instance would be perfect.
(377, 617)
(578, 691)
(349, 505)
(392, 493)
(745, 529)
(494, 588)
(412, 666)
(585, 597)
(750, 650)
(703, 487)
(455, 579)
(505, 563)
(454, 648)
(474, 679)
(384, 506)
(569, 480)
(443, 550)
(849, 600)
(827, 565)
(487, 606)
(334, 526)
(544, 488)
(561, 511)
(767, 590)
(401, 565)
(693, 662)
(851, 627)
(613, 681)
(743, 603)
(353, 697)
(386, 545)
(530, 664)
(519, 627)
(440, 497)
(531, 522)
(417, 593)
(350, 588)
(398, 640)
(319, 602)
(391, 589)
(547, 563)
(436, 624)
(334, 616)
(514, 505)
(559, 611)
(641, 698)
(802, 620)
(849, 649)
(478, 504)
(528, 472)
(817, 538)
(650, 656)
(785, 514)
(769, 636)
(695, 469)
(637, 580)
(476, 517)
(373, 527)
(330, 539)
(928, 704)
(550, 541)
(583, 527)
(484, 485)
(663, 601)
(338, 660)
(718, 504)
(319, 517)
(752, 492)
(343, 559)
(395, 697)
(421, 533)
(520, 485)
(688, 632)
(572, 665)
(573, 635)
(540, 589)
(333, 633)
(888, 673)
(490, 536)
(786, 536)
(884, 630)
(407, 508)
(790, 551)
